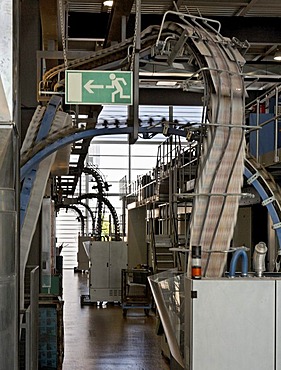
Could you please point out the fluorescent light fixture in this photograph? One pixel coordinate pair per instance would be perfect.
(166, 74)
(166, 83)
(108, 3)
(277, 55)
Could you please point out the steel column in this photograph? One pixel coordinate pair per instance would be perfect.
(9, 334)
(135, 60)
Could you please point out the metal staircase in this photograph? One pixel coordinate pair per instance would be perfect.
(163, 256)
(168, 215)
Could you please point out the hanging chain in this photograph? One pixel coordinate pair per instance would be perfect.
(135, 35)
(62, 22)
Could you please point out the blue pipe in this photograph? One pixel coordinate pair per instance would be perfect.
(233, 263)
(270, 207)
(60, 143)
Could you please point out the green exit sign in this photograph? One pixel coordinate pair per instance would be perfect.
(98, 87)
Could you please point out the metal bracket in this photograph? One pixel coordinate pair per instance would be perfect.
(276, 226)
(253, 178)
(268, 200)
(178, 46)
(166, 128)
(189, 135)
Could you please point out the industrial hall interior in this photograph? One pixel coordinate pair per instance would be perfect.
(140, 185)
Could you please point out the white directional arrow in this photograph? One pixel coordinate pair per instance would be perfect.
(88, 86)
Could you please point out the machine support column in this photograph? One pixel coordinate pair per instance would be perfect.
(135, 64)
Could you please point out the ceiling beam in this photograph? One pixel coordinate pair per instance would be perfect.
(176, 5)
(269, 51)
(244, 10)
(49, 24)
(120, 9)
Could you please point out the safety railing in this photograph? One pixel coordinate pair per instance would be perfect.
(264, 121)
(172, 155)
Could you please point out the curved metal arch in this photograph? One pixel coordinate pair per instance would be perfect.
(77, 210)
(111, 209)
(50, 148)
(101, 186)
(256, 179)
(99, 180)
(88, 208)
(115, 218)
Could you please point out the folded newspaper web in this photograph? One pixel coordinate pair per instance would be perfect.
(220, 174)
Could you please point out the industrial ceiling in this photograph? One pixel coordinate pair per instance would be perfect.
(228, 8)
(89, 24)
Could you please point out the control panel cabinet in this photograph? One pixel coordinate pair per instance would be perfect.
(233, 324)
(107, 261)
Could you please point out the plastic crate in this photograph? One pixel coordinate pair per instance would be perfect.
(51, 333)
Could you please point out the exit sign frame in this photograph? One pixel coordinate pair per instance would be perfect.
(98, 87)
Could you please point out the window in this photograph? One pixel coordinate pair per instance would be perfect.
(115, 159)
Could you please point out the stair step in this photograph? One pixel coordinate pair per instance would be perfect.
(163, 245)
(162, 236)
(164, 254)
(164, 257)
(164, 268)
(165, 262)
(159, 269)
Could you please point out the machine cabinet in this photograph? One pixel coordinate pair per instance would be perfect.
(83, 258)
(233, 324)
(107, 261)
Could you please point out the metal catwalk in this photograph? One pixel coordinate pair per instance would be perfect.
(101, 339)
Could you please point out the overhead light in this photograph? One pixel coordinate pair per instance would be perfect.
(277, 55)
(166, 74)
(166, 83)
(108, 3)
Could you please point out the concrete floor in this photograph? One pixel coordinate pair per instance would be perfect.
(100, 338)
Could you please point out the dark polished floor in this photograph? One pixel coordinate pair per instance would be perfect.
(100, 338)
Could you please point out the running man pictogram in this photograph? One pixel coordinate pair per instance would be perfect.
(117, 85)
